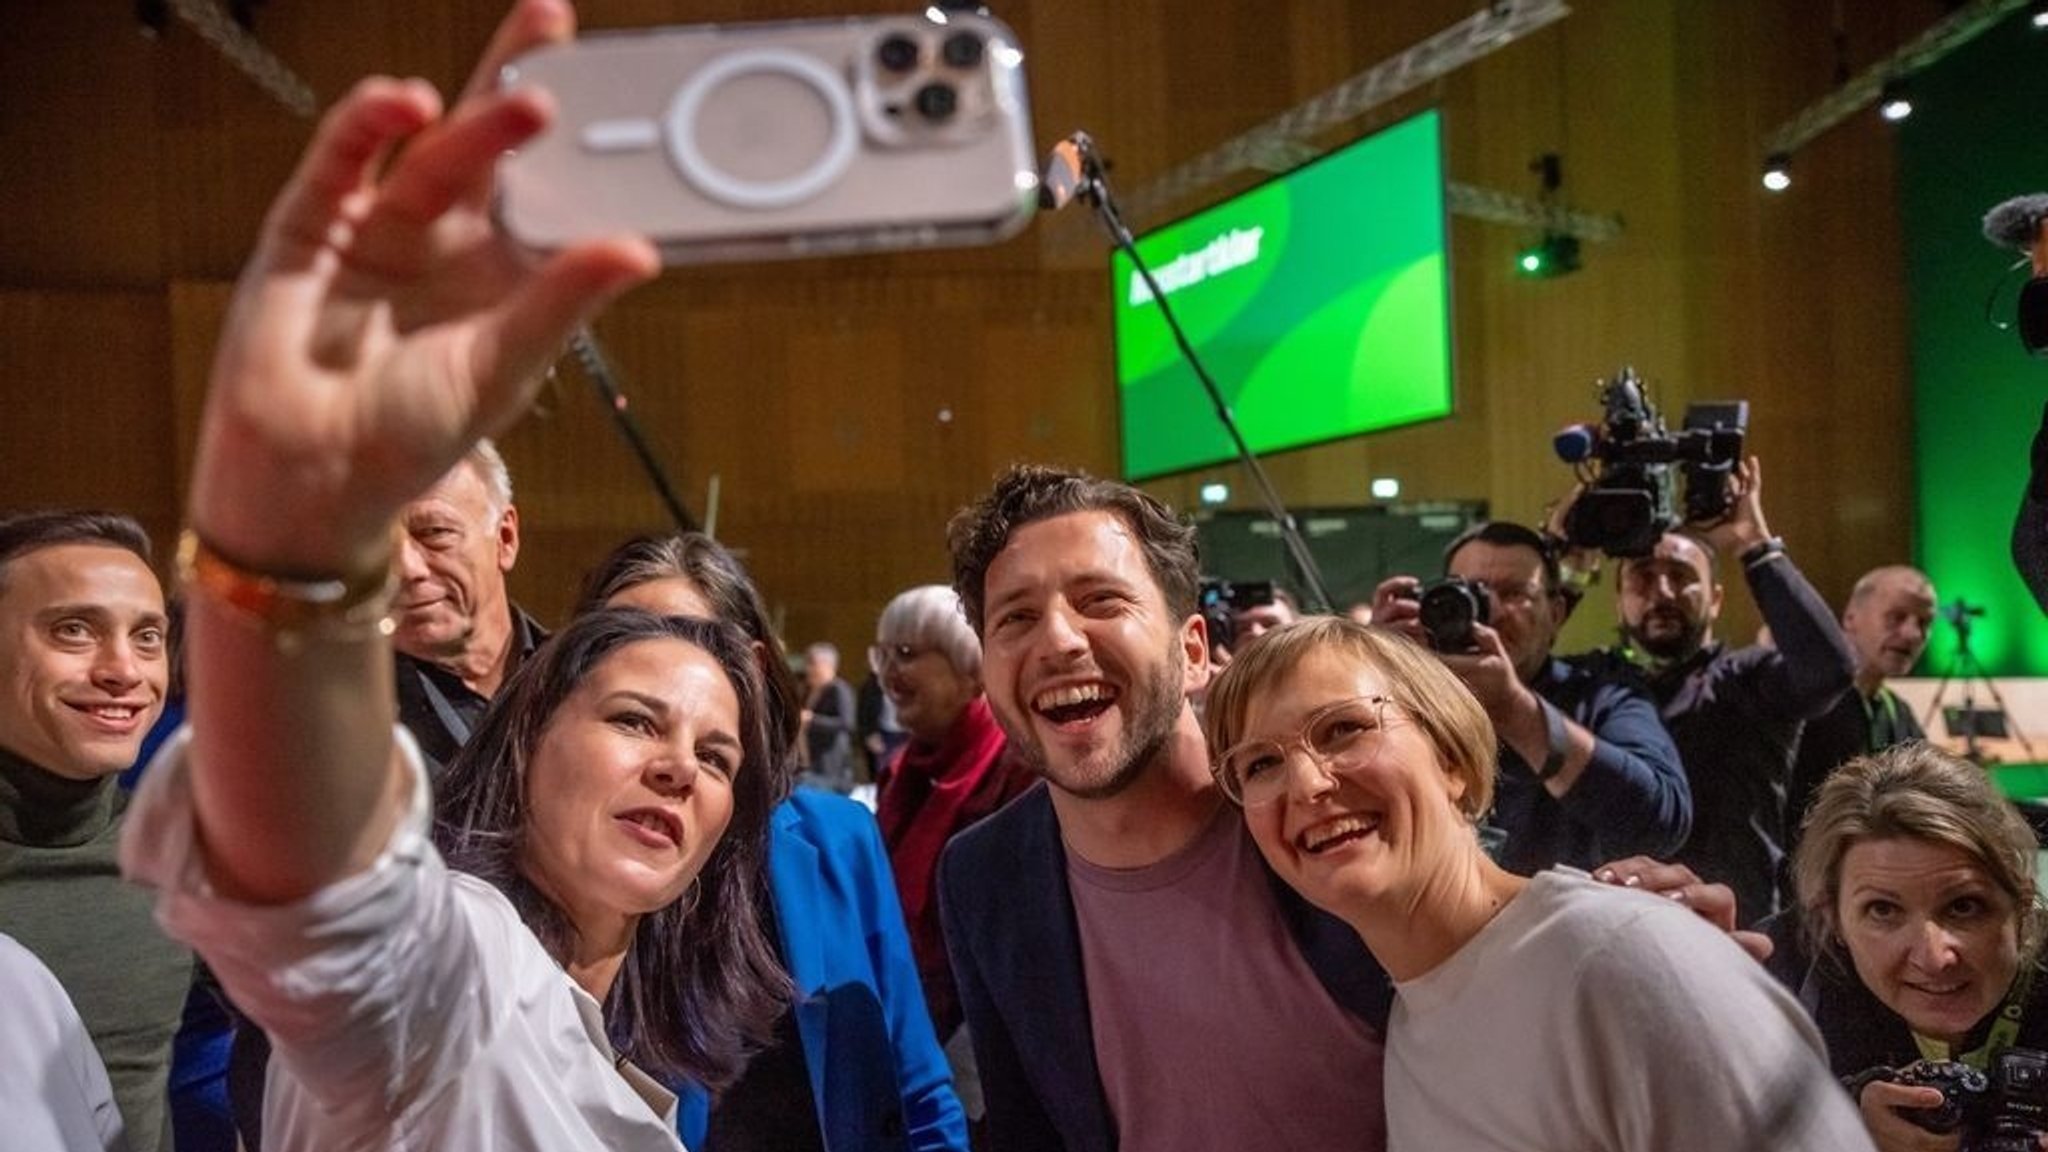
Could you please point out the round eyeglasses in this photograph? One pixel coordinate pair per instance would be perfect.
(880, 656)
(1338, 737)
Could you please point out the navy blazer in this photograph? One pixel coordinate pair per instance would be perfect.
(1009, 922)
(878, 1075)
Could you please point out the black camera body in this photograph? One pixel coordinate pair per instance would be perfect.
(1633, 495)
(1220, 601)
(1450, 607)
(2002, 1110)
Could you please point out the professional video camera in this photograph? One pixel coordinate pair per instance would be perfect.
(1631, 492)
(1220, 601)
(2003, 1110)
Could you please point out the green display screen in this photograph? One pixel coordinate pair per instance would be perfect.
(1318, 301)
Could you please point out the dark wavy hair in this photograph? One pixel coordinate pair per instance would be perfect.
(701, 986)
(1028, 493)
(720, 577)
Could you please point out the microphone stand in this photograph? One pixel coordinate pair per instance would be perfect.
(584, 345)
(1093, 187)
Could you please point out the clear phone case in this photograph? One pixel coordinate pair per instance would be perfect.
(751, 141)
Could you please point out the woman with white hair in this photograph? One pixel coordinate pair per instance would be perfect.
(952, 773)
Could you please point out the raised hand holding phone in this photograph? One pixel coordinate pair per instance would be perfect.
(381, 327)
(383, 324)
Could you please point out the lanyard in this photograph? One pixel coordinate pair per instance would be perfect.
(2004, 1030)
(1880, 720)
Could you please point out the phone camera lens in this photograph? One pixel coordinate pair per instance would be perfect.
(962, 50)
(937, 102)
(897, 54)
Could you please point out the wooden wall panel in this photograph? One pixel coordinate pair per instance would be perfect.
(78, 190)
(844, 417)
(814, 392)
(1798, 300)
(83, 404)
(197, 309)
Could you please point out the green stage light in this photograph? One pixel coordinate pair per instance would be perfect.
(1555, 255)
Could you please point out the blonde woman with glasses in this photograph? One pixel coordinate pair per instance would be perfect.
(1532, 1014)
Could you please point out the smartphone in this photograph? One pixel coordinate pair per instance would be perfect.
(752, 141)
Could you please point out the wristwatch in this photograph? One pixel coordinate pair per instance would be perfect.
(1763, 550)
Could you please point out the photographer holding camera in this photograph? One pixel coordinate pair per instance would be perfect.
(1735, 713)
(1916, 949)
(1587, 772)
(1241, 612)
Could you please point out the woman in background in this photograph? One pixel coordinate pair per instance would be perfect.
(854, 1062)
(953, 771)
(1920, 928)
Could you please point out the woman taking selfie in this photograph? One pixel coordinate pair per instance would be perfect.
(614, 802)
(1545, 1014)
(1920, 932)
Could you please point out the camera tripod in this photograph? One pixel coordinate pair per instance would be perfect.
(1971, 670)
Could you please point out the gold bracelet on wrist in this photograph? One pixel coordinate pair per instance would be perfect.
(292, 610)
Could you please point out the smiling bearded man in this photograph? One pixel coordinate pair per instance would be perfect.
(1117, 919)
(1074, 693)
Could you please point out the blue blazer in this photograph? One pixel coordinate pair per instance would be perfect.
(878, 1075)
(1016, 952)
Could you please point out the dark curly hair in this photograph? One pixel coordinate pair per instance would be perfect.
(1028, 493)
(701, 986)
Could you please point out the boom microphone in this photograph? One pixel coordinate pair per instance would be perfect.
(1072, 170)
(2016, 224)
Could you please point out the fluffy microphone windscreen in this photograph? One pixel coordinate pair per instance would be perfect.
(2015, 223)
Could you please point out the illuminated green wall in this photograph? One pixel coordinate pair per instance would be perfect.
(1977, 136)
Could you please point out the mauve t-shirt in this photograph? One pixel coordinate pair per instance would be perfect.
(1211, 1030)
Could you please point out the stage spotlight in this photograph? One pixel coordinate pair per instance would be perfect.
(1778, 172)
(1895, 105)
(1554, 255)
(2037, 13)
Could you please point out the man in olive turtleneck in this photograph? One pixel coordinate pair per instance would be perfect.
(83, 665)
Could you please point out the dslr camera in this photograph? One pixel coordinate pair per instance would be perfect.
(1221, 600)
(1632, 468)
(1448, 608)
(2000, 1110)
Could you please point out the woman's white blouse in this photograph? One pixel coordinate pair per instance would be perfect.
(408, 1006)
